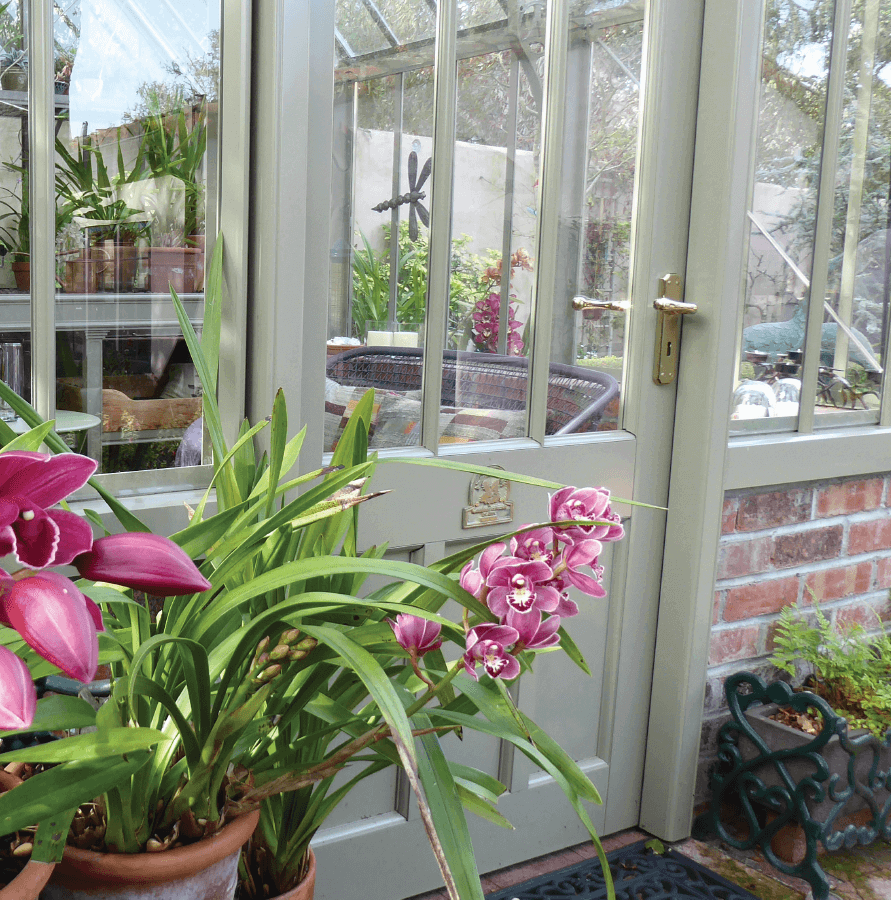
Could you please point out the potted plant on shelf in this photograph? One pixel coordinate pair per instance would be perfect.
(275, 673)
(789, 762)
(16, 235)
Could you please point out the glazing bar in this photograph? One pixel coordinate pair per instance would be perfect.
(507, 233)
(825, 209)
(556, 58)
(398, 98)
(445, 94)
(42, 166)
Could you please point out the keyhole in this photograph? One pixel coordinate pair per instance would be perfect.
(668, 348)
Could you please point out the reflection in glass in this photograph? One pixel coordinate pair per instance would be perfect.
(132, 177)
(856, 329)
(602, 120)
(15, 233)
(795, 66)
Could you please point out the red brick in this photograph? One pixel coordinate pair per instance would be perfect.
(760, 598)
(865, 537)
(716, 609)
(870, 615)
(731, 644)
(850, 497)
(738, 558)
(806, 546)
(883, 573)
(728, 516)
(833, 584)
(775, 508)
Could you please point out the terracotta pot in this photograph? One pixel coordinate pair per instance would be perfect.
(28, 884)
(120, 273)
(207, 870)
(307, 888)
(82, 273)
(180, 268)
(22, 272)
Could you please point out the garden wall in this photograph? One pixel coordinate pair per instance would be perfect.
(832, 538)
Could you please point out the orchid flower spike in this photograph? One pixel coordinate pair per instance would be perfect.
(487, 644)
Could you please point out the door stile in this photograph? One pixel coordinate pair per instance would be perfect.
(669, 86)
(725, 134)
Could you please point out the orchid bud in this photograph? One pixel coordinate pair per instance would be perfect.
(289, 637)
(18, 698)
(147, 562)
(279, 652)
(415, 635)
(51, 614)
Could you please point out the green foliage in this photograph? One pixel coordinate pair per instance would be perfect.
(371, 282)
(852, 668)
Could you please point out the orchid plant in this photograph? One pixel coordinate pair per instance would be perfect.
(271, 668)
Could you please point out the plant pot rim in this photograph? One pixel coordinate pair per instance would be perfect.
(154, 868)
(305, 888)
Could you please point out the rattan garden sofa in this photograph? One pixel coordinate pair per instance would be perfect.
(577, 397)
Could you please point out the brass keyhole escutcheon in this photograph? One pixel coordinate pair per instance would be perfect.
(670, 307)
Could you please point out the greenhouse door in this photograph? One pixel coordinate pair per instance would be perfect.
(561, 139)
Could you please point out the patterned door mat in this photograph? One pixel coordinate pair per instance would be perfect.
(638, 874)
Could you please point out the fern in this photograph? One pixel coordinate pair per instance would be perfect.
(851, 668)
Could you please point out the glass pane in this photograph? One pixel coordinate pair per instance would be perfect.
(602, 119)
(15, 263)
(134, 164)
(493, 241)
(794, 72)
(379, 241)
(856, 330)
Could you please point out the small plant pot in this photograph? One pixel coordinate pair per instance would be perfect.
(307, 887)
(22, 273)
(14, 78)
(206, 870)
(82, 274)
(180, 268)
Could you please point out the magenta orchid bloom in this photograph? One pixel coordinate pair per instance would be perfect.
(486, 644)
(486, 323)
(18, 699)
(29, 483)
(54, 618)
(147, 562)
(521, 585)
(583, 554)
(534, 545)
(474, 580)
(416, 635)
(533, 633)
(571, 503)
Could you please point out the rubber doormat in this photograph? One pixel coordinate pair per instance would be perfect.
(638, 874)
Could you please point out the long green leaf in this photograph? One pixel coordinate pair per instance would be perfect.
(52, 833)
(93, 745)
(64, 787)
(58, 713)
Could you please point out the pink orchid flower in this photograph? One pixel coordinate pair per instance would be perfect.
(533, 633)
(18, 699)
(521, 585)
(486, 644)
(583, 554)
(415, 634)
(147, 562)
(29, 483)
(54, 618)
(474, 580)
(534, 545)
(571, 503)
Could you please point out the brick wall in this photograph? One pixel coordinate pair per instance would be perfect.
(833, 538)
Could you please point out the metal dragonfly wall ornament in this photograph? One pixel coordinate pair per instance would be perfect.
(414, 196)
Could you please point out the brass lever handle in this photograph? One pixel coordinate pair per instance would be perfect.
(583, 303)
(674, 307)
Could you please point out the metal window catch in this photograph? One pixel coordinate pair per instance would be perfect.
(670, 307)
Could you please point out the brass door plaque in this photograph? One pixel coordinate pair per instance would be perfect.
(490, 502)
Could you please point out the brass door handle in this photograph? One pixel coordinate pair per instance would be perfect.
(671, 308)
(582, 303)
